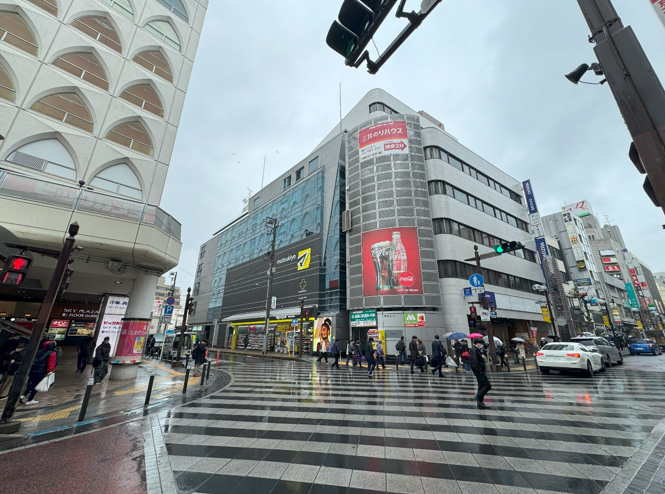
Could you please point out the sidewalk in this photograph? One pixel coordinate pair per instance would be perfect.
(60, 406)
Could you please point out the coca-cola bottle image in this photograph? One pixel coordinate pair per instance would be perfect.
(398, 262)
(381, 257)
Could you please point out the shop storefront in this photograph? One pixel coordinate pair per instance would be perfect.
(283, 335)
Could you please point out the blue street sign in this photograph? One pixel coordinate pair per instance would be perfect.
(168, 310)
(476, 280)
(170, 301)
(294, 321)
(467, 292)
(492, 313)
(491, 298)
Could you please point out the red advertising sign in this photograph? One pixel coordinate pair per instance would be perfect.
(608, 260)
(391, 262)
(132, 337)
(59, 323)
(383, 138)
(614, 267)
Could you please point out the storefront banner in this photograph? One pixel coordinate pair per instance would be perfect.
(323, 334)
(632, 296)
(75, 311)
(363, 318)
(384, 138)
(58, 329)
(414, 320)
(391, 262)
(546, 314)
(534, 332)
(81, 328)
(132, 337)
(116, 305)
(111, 326)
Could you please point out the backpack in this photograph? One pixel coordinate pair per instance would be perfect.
(397, 346)
(466, 355)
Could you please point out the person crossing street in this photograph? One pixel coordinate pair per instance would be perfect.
(478, 368)
(334, 351)
(439, 355)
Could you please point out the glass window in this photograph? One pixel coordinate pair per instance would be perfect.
(466, 232)
(176, 7)
(164, 31)
(473, 173)
(66, 107)
(7, 90)
(461, 196)
(505, 191)
(455, 228)
(504, 216)
(511, 221)
(122, 6)
(314, 164)
(47, 5)
(486, 240)
(144, 96)
(287, 182)
(84, 66)
(14, 30)
(472, 201)
(482, 178)
(48, 155)
(300, 173)
(478, 236)
(488, 209)
(155, 62)
(455, 162)
(257, 202)
(133, 136)
(466, 169)
(99, 28)
(119, 179)
(449, 190)
(491, 182)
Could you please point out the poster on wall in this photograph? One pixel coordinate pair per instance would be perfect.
(391, 262)
(323, 334)
(381, 139)
(111, 326)
(132, 337)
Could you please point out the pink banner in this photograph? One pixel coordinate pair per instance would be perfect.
(132, 337)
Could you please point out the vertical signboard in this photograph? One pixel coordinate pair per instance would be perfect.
(391, 262)
(632, 296)
(381, 139)
(573, 236)
(111, 320)
(132, 337)
(323, 334)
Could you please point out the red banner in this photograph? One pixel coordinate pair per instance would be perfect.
(132, 337)
(383, 138)
(391, 262)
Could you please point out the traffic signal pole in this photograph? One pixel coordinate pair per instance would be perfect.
(271, 269)
(488, 324)
(21, 376)
(302, 315)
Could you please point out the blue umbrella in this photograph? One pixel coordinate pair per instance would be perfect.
(457, 336)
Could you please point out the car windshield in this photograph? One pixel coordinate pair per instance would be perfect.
(585, 341)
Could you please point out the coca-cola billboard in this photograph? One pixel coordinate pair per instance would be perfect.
(391, 262)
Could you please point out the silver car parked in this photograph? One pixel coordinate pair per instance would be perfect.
(611, 355)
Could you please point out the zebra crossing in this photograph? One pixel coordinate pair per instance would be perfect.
(294, 427)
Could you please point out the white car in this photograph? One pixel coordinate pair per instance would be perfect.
(569, 356)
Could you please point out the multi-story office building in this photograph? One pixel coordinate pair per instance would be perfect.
(415, 202)
(91, 94)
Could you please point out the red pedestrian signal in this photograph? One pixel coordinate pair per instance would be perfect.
(15, 270)
(472, 311)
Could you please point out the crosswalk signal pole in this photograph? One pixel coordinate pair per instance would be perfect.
(488, 324)
(271, 223)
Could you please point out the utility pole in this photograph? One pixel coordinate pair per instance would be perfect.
(302, 316)
(488, 324)
(609, 316)
(272, 224)
(549, 308)
(189, 306)
(174, 275)
(21, 376)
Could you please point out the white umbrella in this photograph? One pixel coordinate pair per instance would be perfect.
(497, 341)
(518, 340)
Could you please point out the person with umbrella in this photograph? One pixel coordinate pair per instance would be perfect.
(478, 368)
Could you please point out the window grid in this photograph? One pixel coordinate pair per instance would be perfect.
(164, 72)
(173, 6)
(119, 7)
(381, 107)
(440, 187)
(116, 135)
(463, 271)
(300, 173)
(80, 72)
(49, 7)
(90, 27)
(434, 152)
(42, 106)
(132, 95)
(153, 28)
(287, 182)
(7, 90)
(9, 20)
(444, 226)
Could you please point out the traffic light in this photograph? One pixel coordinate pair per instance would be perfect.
(15, 270)
(357, 22)
(506, 247)
(310, 312)
(472, 311)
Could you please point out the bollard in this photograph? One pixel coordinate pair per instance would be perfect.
(217, 359)
(524, 364)
(184, 388)
(535, 360)
(86, 398)
(203, 374)
(187, 360)
(208, 371)
(149, 392)
(507, 364)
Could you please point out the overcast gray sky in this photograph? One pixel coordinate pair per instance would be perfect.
(266, 84)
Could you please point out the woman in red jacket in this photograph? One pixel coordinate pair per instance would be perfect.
(44, 364)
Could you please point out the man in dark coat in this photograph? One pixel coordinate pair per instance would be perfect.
(199, 356)
(439, 355)
(334, 350)
(84, 353)
(478, 368)
(101, 360)
(401, 348)
(357, 354)
(414, 354)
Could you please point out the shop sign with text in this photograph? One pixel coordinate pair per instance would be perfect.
(414, 320)
(381, 139)
(363, 318)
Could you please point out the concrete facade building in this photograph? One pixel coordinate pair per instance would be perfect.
(91, 95)
(422, 200)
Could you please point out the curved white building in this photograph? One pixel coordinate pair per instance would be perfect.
(91, 94)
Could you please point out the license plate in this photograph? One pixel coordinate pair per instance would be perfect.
(553, 357)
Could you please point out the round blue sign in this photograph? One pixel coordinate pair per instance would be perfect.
(170, 301)
(476, 280)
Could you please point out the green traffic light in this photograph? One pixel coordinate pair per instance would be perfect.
(498, 249)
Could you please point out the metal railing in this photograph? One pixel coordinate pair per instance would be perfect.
(68, 197)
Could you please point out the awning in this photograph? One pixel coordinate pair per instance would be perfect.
(287, 313)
